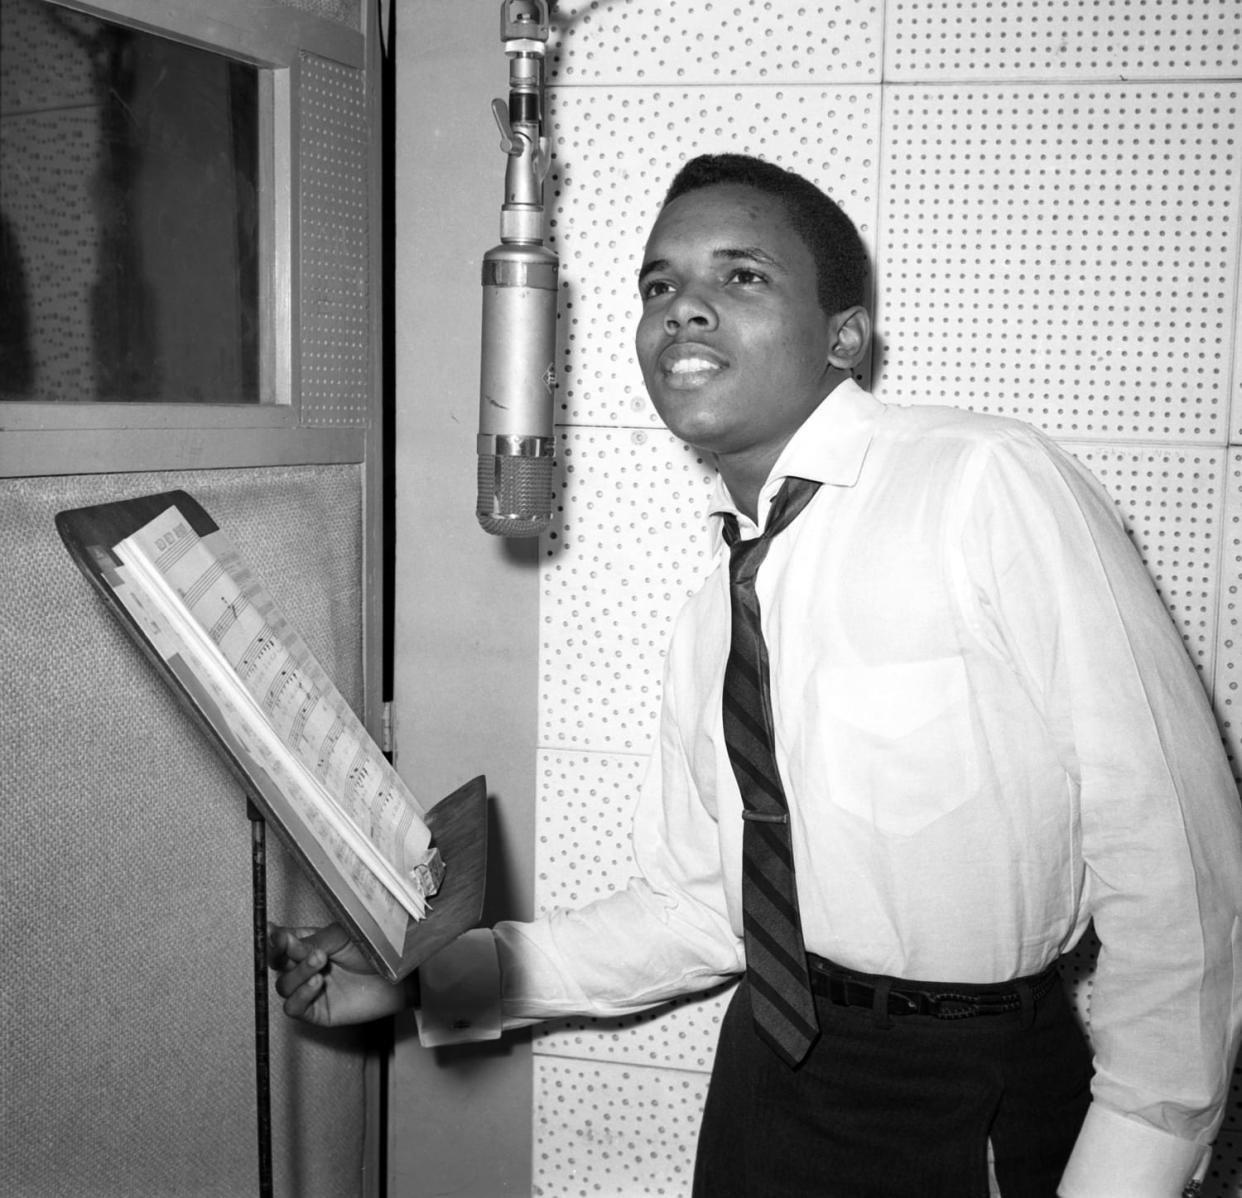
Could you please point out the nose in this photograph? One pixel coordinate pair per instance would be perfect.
(689, 308)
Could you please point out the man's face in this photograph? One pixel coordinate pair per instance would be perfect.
(733, 344)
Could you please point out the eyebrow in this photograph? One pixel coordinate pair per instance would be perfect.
(751, 253)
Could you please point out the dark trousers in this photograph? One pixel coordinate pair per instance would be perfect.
(881, 1111)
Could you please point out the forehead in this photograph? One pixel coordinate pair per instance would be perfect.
(727, 215)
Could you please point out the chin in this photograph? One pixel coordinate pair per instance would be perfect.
(685, 418)
(678, 421)
(706, 438)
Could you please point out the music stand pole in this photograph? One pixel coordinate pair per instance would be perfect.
(262, 1052)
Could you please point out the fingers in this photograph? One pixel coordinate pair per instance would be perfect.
(301, 957)
(286, 946)
(296, 957)
(331, 939)
(299, 995)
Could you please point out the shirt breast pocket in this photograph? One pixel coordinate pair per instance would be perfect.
(897, 748)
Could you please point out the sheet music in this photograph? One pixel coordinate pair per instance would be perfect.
(236, 626)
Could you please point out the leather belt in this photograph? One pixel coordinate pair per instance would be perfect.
(843, 988)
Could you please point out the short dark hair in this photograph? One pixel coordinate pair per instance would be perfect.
(842, 268)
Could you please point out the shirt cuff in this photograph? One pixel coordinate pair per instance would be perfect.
(460, 992)
(1117, 1157)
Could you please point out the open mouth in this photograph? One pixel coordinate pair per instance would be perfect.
(692, 366)
(689, 364)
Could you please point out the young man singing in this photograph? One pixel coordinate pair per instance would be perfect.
(925, 721)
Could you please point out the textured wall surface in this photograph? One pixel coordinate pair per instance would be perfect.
(1051, 195)
(127, 1012)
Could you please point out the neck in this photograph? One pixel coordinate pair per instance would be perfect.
(745, 472)
(745, 476)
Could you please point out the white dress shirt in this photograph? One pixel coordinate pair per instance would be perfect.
(990, 733)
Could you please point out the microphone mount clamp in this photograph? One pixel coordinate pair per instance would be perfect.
(524, 33)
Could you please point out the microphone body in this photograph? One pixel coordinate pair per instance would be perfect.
(517, 384)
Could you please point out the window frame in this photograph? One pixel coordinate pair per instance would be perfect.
(57, 438)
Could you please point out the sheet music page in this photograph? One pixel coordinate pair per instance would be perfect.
(236, 621)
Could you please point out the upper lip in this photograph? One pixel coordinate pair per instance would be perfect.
(681, 351)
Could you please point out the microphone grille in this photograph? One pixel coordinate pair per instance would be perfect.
(515, 494)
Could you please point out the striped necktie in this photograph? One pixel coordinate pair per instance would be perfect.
(776, 969)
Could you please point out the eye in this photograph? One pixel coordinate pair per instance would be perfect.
(746, 276)
(652, 288)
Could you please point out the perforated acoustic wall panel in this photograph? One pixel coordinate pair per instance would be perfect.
(346, 12)
(1229, 618)
(50, 218)
(1062, 39)
(1051, 194)
(1066, 255)
(1235, 424)
(657, 42)
(334, 215)
(1174, 503)
(626, 555)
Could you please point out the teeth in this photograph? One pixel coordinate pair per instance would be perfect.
(691, 366)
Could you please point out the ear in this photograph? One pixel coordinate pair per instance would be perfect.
(849, 337)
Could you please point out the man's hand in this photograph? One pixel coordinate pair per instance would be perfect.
(325, 980)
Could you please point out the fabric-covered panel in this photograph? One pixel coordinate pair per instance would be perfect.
(127, 1001)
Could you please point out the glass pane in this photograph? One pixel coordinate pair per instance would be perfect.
(129, 230)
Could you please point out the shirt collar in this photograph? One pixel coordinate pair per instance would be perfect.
(829, 447)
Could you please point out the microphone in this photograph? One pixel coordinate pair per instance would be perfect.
(517, 381)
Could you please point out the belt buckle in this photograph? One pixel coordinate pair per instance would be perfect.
(910, 1003)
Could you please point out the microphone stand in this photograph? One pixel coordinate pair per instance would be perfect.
(524, 34)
